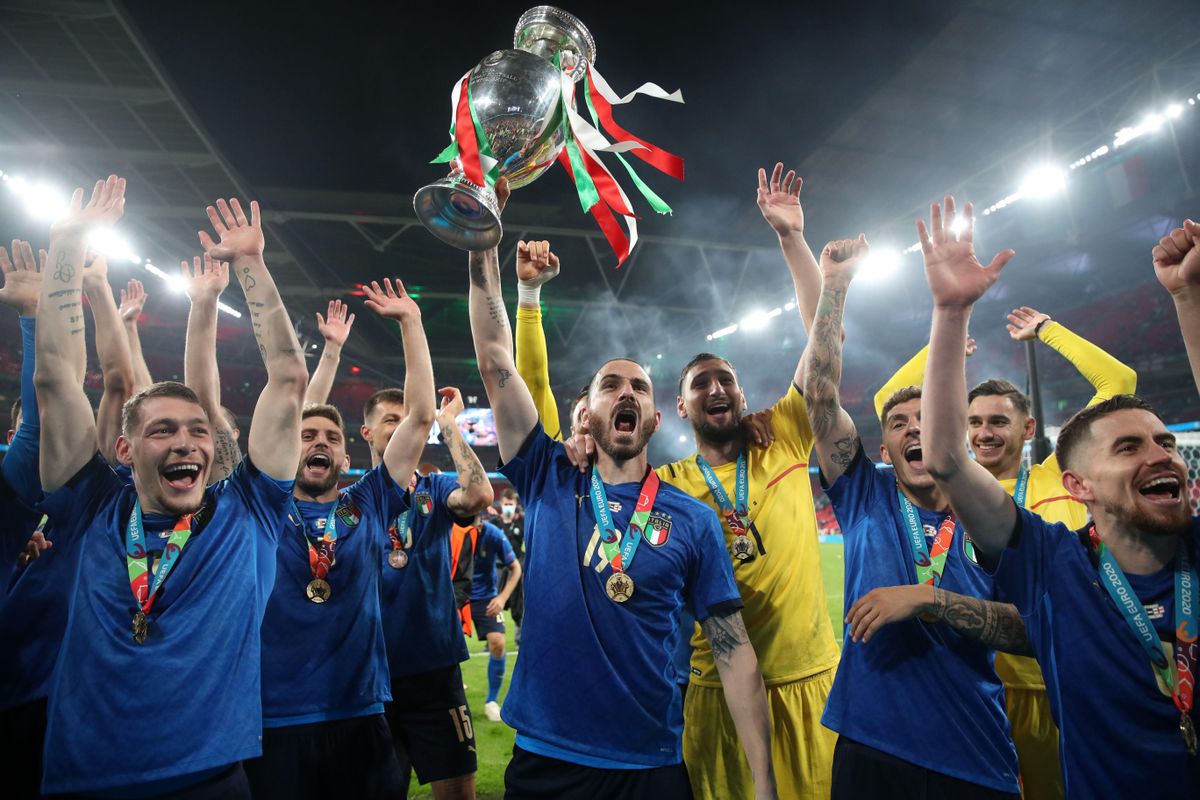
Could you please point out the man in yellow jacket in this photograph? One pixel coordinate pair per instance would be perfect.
(999, 424)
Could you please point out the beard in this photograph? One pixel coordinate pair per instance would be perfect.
(624, 452)
(1169, 523)
(719, 434)
(317, 488)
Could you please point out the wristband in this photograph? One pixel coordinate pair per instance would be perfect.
(1037, 329)
(529, 294)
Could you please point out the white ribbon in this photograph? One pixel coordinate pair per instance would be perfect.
(648, 89)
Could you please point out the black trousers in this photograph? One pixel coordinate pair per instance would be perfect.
(533, 777)
(862, 773)
(22, 736)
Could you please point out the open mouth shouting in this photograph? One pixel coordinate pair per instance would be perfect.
(719, 411)
(1164, 490)
(181, 476)
(625, 419)
(913, 455)
(318, 464)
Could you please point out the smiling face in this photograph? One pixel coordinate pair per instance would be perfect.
(620, 412)
(711, 400)
(322, 456)
(902, 445)
(998, 431)
(1129, 468)
(170, 448)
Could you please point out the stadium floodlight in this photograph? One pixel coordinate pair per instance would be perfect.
(881, 262)
(757, 320)
(175, 283)
(1044, 181)
(42, 201)
(111, 244)
(1153, 122)
(728, 329)
(682, 438)
(789, 306)
(1174, 110)
(958, 224)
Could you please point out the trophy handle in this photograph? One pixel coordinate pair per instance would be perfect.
(461, 213)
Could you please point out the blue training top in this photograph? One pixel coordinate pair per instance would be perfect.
(491, 545)
(323, 661)
(420, 617)
(579, 644)
(109, 727)
(920, 692)
(1118, 727)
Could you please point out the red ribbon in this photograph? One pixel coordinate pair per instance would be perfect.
(655, 156)
(605, 220)
(464, 132)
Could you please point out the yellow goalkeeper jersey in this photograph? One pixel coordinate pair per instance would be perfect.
(786, 612)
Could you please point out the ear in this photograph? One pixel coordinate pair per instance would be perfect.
(679, 409)
(742, 400)
(365, 432)
(11, 434)
(346, 462)
(883, 455)
(1030, 428)
(585, 419)
(124, 450)
(1077, 486)
(657, 420)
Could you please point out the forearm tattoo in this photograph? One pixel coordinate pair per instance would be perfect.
(725, 634)
(997, 625)
(226, 453)
(823, 374)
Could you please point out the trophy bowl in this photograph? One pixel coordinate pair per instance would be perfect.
(516, 97)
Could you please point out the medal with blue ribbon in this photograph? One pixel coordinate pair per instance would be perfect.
(620, 549)
(139, 572)
(321, 555)
(929, 564)
(737, 514)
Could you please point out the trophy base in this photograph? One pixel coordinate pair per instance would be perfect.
(460, 213)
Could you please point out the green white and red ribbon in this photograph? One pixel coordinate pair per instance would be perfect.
(468, 141)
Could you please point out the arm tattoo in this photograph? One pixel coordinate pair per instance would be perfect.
(823, 375)
(725, 634)
(480, 265)
(504, 376)
(496, 312)
(226, 452)
(63, 271)
(997, 625)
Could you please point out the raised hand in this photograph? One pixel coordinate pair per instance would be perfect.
(502, 192)
(22, 278)
(103, 209)
(1177, 258)
(779, 200)
(1023, 323)
(238, 237)
(535, 263)
(452, 406)
(95, 272)
(205, 279)
(971, 347)
(841, 258)
(335, 325)
(956, 278)
(391, 303)
(133, 300)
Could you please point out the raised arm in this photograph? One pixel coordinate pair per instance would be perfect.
(20, 291)
(745, 696)
(1177, 266)
(404, 449)
(274, 441)
(112, 348)
(516, 415)
(533, 361)
(997, 625)
(205, 280)
(1107, 375)
(474, 492)
(68, 434)
(133, 300)
(957, 280)
(334, 328)
(779, 201)
(836, 436)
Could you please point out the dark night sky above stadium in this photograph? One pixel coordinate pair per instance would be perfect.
(356, 96)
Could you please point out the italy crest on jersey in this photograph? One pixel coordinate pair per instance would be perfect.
(349, 514)
(424, 503)
(658, 528)
(969, 549)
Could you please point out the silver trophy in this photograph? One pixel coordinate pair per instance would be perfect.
(515, 95)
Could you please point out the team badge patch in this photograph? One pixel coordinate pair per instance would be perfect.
(424, 503)
(969, 549)
(349, 514)
(658, 528)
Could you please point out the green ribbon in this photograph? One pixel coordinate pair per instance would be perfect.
(656, 202)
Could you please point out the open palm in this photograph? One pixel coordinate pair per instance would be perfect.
(389, 302)
(237, 235)
(335, 325)
(22, 280)
(955, 275)
(779, 200)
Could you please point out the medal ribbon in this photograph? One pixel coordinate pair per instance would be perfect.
(929, 564)
(735, 515)
(320, 557)
(1022, 487)
(621, 557)
(399, 533)
(135, 556)
(1182, 680)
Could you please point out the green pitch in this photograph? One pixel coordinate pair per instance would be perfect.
(494, 740)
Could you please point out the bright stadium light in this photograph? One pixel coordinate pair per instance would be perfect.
(958, 224)
(717, 334)
(1174, 110)
(757, 320)
(880, 262)
(1153, 122)
(112, 245)
(1044, 181)
(41, 200)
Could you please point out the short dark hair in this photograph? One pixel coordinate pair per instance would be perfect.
(998, 387)
(390, 395)
(899, 396)
(1076, 430)
(698, 358)
(16, 412)
(591, 380)
(326, 411)
(131, 411)
(509, 494)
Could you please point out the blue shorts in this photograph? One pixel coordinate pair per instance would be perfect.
(482, 622)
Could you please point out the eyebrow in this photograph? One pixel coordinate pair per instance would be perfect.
(173, 421)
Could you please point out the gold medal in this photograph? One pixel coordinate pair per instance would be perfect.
(397, 559)
(141, 628)
(1189, 732)
(742, 547)
(619, 587)
(318, 590)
